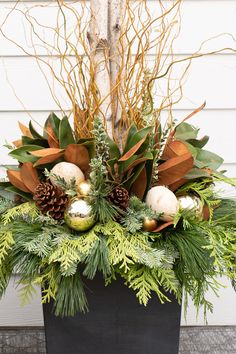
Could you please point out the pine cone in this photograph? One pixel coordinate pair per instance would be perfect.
(119, 196)
(50, 199)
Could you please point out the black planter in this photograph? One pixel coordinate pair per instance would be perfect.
(115, 324)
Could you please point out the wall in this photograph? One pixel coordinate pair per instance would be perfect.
(211, 78)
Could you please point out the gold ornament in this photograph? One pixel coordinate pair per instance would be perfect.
(84, 188)
(189, 202)
(68, 171)
(149, 224)
(78, 215)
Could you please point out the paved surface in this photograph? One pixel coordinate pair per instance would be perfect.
(193, 340)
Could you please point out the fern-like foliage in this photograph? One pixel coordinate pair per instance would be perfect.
(28, 210)
(6, 243)
(136, 212)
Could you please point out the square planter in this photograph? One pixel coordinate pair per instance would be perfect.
(115, 324)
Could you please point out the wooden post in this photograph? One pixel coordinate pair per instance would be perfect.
(105, 29)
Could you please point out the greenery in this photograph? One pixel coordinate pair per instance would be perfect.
(186, 256)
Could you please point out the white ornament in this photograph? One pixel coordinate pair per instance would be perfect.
(68, 171)
(162, 200)
(191, 203)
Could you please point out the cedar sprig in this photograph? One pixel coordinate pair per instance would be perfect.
(136, 212)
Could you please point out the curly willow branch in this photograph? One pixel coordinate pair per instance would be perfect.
(138, 52)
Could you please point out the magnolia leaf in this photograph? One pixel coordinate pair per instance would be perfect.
(29, 141)
(134, 175)
(132, 130)
(15, 190)
(185, 131)
(34, 132)
(22, 153)
(163, 226)
(16, 180)
(48, 159)
(136, 137)
(17, 143)
(137, 161)
(139, 186)
(29, 175)
(174, 169)
(196, 173)
(174, 186)
(66, 136)
(46, 152)
(208, 159)
(114, 150)
(78, 155)
(53, 141)
(199, 143)
(25, 131)
(175, 148)
(54, 123)
(132, 151)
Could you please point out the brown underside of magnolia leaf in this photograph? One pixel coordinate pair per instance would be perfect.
(46, 152)
(53, 141)
(174, 169)
(174, 148)
(133, 150)
(78, 155)
(140, 185)
(17, 143)
(16, 180)
(29, 175)
(163, 226)
(174, 186)
(24, 130)
(48, 159)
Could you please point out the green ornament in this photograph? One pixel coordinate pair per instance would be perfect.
(78, 215)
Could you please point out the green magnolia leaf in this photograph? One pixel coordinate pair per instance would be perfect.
(185, 131)
(22, 154)
(54, 122)
(90, 145)
(29, 141)
(125, 164)
(208, 159)
(196, 173)
(113, 148)
(199, 143)
(4, 185)
(191, 149)
(66, 136)
(34, 133)
(134, 139)
(15, 190)
(135, 174)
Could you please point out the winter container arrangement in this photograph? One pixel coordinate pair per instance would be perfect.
(111, 207)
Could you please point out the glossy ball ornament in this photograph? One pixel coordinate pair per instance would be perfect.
(68, 171)
(149, 224)
(78, 215)
(162, 200)
(84, 188)
(189, 202)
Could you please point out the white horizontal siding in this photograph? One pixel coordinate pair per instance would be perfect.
(200, 20)
(211, 78)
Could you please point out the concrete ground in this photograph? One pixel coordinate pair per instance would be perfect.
(193, 340)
